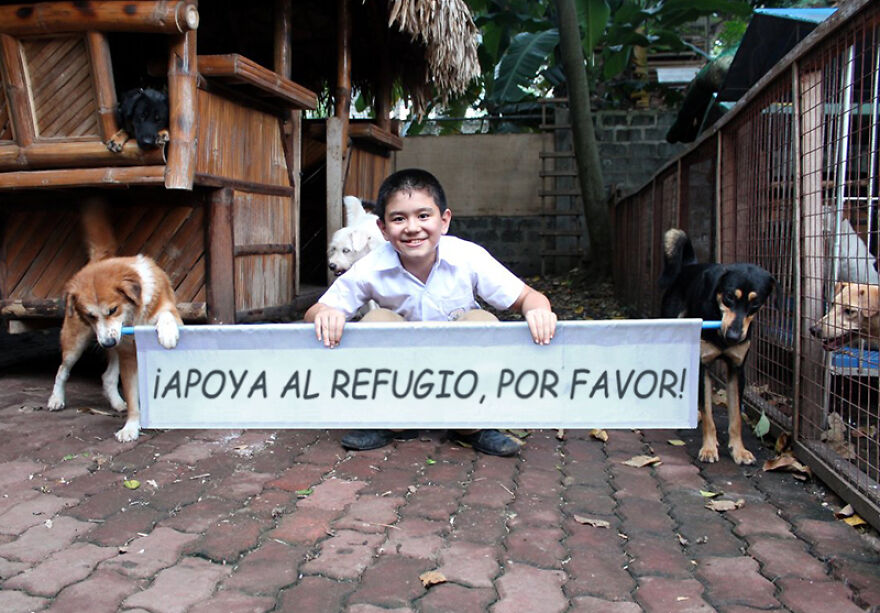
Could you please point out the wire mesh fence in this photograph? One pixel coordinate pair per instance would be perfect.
(788, 180)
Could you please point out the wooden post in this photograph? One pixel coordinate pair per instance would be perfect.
(291, 128)
(335, 179)
(105, 87)
(109, 16)
(220, 261)
(812, 123)
(383, 88)
(18, 101)
(182, 94)
(343, 69)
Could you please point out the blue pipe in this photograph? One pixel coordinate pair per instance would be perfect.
(707, 325)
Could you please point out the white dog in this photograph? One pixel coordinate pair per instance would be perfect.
(357, 238)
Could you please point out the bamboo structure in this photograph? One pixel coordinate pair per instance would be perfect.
(223, 206)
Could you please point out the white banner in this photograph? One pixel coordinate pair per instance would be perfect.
(594, 374)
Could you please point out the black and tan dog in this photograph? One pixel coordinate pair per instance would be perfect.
(143, 115)
(732, 293)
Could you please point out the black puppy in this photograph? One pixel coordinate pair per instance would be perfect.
(142, 113)
(732, 293)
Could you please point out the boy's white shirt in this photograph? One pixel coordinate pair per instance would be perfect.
(462, 270)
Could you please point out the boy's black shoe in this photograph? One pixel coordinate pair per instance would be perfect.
(362, 440)
(491, 442)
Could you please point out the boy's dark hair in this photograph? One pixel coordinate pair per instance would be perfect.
(409, 180)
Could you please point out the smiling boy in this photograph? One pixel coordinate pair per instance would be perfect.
(421, 274)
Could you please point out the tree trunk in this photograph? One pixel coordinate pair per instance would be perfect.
(586, 151)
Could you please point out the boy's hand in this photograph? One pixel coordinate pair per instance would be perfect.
(328, 326)
(542, 325)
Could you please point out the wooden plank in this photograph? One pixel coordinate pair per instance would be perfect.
(137, 241)
(23, 248)
(45, 154)
(161, 240)
(372, 133)
(267, 249)
(210, 180)
(192, 286)
(49, 245)
(237, 69)
(220, 241)
(68, 258)
(82, 177)
(189, 246)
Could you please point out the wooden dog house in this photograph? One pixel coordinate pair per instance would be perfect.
(221, 207)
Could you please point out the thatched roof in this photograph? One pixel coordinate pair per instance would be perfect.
(449, 36)
(430, 45)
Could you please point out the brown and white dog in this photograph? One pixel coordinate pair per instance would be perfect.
(854, 314)
(105, 295)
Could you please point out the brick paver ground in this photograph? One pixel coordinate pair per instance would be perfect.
(283, 520)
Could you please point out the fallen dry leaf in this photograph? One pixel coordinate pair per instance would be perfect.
(432, 577)
(683, 540)
(782, 443)
(854, 521)
(707, 494)
(719, 397)
(591, 521)
(788, 462)
(560, 434)
(724, 505)
(92, 411)
(640, 461)
(675, 442)
(599, 434)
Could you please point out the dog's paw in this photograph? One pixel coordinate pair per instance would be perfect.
(129, 432)
(741, 455)
(55, 403)
(162, 137)
(708, 454)
(117, 141)
(168, 331)
(118, 404)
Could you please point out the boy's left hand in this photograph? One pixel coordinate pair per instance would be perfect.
(542, 325)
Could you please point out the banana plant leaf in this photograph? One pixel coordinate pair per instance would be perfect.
(527, 53)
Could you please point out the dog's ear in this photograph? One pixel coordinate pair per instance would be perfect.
(776, 291)
(130, 288)
(869, 301)
(69, 304)
(838, 287)
(711, 278)
(128, 102)
(359, 240)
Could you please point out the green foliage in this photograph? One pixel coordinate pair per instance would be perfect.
(519, 47)
(519, 65)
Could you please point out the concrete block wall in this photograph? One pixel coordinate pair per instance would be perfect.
(632, 147)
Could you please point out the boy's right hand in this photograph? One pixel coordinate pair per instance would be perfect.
(329, 323)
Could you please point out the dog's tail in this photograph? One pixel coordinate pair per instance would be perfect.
(98, 232)
(354, 209)
(677, 252)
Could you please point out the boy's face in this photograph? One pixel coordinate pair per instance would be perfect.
(413, 225)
